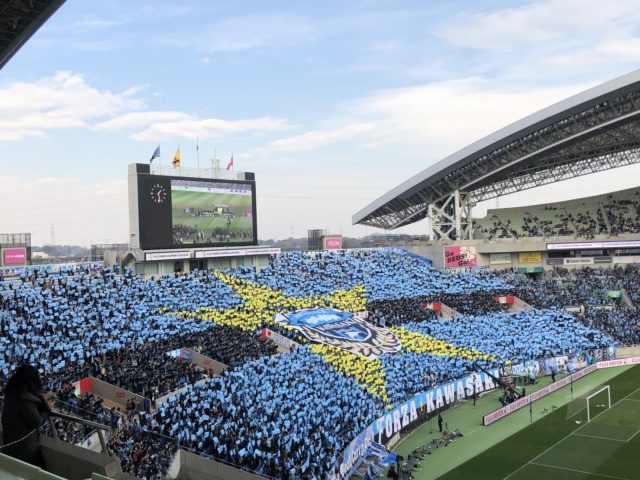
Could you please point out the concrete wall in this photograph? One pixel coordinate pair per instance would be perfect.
(76, 463)
(195, 467)
(207, 363)
(113, 393)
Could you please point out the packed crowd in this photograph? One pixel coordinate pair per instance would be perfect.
(607, 216)
(286, 415)
(142, 454)
(386, 274)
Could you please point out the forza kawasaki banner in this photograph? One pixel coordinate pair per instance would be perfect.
(342, 330)
(406, 414)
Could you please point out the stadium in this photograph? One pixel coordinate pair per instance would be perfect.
(504, 347)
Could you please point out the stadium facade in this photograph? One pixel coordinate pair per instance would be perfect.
(593, 131)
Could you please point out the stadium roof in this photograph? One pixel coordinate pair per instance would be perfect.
(592, 131)
(19, 20)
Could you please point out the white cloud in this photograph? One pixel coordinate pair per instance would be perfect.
(535, 24)
(318, 138)
(67, 101)
(145, 126)
(62, 101)
(435, 119)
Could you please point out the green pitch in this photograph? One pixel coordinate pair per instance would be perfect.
(559, 444)
(240, 227)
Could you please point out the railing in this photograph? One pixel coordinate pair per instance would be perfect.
(97, 426)
(212, 173)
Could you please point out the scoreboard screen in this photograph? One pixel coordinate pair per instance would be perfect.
(176, 212)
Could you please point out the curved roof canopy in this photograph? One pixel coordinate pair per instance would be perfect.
(19, 20)
(592, 131)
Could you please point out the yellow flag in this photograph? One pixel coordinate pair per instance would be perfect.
(176, 159)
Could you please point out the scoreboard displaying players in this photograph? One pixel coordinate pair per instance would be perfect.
(175, 211)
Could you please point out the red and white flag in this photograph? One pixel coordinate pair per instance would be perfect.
(230, 164)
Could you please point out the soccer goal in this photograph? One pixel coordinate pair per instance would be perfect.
(598, 401)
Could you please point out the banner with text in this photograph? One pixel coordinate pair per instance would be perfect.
(530, 257)
(500, 259)
(457, 256)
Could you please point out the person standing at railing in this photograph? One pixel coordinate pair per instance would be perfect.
(23, 412)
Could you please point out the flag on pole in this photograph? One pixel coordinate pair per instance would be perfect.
(230, 164)
(176, 159)
(156, 154)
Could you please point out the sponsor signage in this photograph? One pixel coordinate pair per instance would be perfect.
(602, 260)
(457, 256)
(627, 259)
(342, 330)
(333, 242)
(530, 269)
(435, 306)
(500, 259)
(517, 405)
(167, 256)
(623, 362)
(14, 256)
(509, 299)
(593, 245)
(530, 257)
(577, 261)
(278, 339)
(236, 252)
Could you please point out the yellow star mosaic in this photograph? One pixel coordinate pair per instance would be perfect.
(262, 303)
(419, 343)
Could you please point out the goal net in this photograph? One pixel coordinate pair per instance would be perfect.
(598, 402)
(587, 406)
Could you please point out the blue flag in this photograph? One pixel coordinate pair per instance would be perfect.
(156, 154)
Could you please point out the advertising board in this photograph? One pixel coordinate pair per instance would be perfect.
(459, 256)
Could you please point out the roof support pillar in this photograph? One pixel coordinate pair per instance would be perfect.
(450, 217)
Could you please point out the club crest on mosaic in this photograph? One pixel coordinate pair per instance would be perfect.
(341, 329)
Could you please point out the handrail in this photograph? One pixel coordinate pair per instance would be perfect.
(98, 426)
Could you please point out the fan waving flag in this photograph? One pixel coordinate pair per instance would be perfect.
(156, 154)
(230, 164)
(176, 159)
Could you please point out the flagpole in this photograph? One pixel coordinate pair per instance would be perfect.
(198, 152)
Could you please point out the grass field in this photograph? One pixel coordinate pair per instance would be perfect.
(559, 444)
(240, 228)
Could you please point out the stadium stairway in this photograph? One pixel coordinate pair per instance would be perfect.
(448, 312)
(626, 298)
(518, 305)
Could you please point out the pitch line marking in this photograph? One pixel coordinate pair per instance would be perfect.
(602, 438)
(578, 471)
(633, 436)
(565, 437)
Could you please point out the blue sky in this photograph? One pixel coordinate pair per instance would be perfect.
(330, 103)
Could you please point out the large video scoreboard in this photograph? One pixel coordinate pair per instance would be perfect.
(174, 212)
